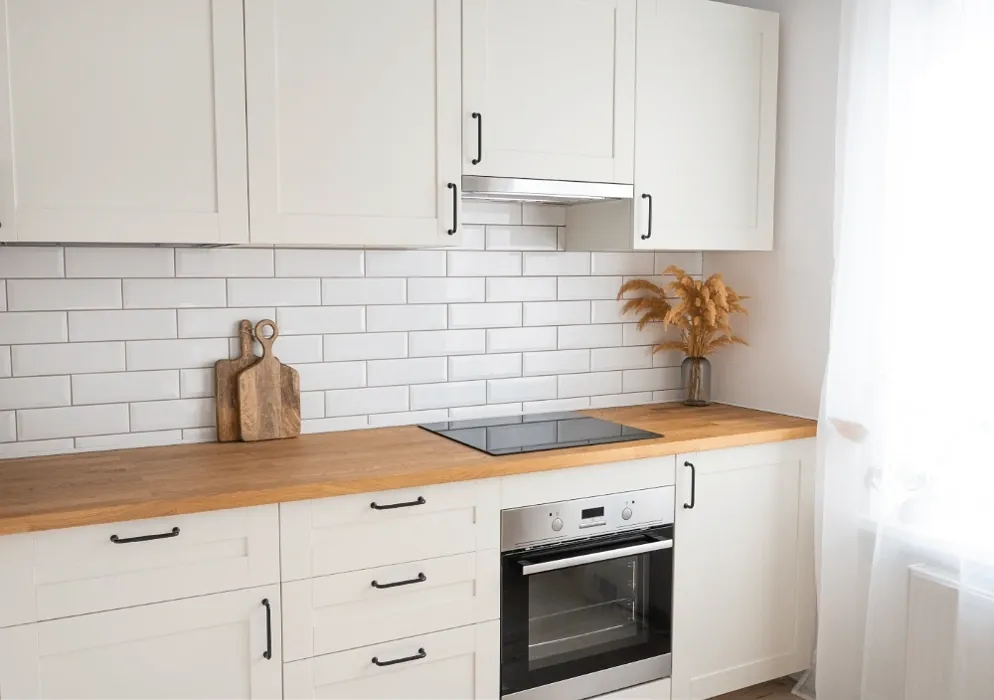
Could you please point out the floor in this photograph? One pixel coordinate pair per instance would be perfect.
(774, 690)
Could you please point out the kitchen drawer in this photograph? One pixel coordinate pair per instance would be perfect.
(363, 531)
(457, 663)
(58, 573)
(345, 611)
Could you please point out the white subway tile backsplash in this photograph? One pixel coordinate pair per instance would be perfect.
(8, 427)
(34, 392)
(556, 405)
(199, 434)
(667, 358)
(605, 359)
(493, 410)
(128, 441)
(173, 293)
(651, 379)
(471, 263)
(667, 396)
(62, 294)
(365, 346)
(331, 375)
(556, 362)
(422, 370)
(439, 343)
(354, 402)
(3, 295)
(170, 415)
(521, 389)
(330, 425)
(474, 212)
(216, 323)
(33, 327)
(294, 262)
(494, 315)
(5, 369)
(555, 264)
(522, 238)
(73, 421)
(36, 448)
(589, 287)
(442, 290)
(224, 262)
(382, 420)
(321, 319)
(196, 383)
(67, 358)
(18, 262)
(274, 292)
(414, 317)
(556, 313)
(691, 263)
(473, 238)
(289, 349)
(521, 289)
(621, 264)
(647, 336)
(119, 262)
(607, 311)
(543, 215)
(361, 291)
(405, 263)
(521, 339)
(606, 336)
(450, 395)
(593, 384)
(470, 367)
(132, 324)
(175, 354)
(311, 405)
(124, 387)
(616, 400)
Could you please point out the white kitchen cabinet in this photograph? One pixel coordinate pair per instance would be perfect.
(458, 663)
(353, 121)
(743, 596)
(122, 121)
(207, 647)
(552, 85)
(705, 134)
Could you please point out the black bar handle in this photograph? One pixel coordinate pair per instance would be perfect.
(268, 653)
(455, 208)
(693, 486)
(420, 579)
(420, 655)
(479, 137)
(145, 538)
(648, 232)
(406, 504)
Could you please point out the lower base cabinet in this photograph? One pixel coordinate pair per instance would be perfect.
(458, 663)
(208, 647)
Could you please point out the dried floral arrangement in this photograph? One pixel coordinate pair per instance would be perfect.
(702, 311)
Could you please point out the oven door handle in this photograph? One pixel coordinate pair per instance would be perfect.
(555, 564)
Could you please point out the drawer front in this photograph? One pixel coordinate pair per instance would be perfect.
(346, 611)
(58, 573)
(458, 663)
(346, 533)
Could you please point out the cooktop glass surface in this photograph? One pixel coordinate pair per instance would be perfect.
(544, 431)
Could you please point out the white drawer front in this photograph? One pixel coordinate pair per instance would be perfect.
(459, 663)
(58, 573)
(345, 611)
(334, 535)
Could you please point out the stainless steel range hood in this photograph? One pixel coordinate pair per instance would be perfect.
(513, 189)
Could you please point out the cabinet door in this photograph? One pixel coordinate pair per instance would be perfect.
(705, 125)
(554, 84)
(743, 598)
(353, 118)
(208, 647)
(122, 121)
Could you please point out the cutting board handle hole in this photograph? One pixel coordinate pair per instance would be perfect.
(266, 332)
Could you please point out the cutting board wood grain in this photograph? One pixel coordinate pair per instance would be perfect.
(268, 394)
(226, 385)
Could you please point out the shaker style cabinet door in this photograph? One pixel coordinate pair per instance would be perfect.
(743, 592)
(353, 121)
(122, 121)
(209, 647)
(549, 89)
(705, 126)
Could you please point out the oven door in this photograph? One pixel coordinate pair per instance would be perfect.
(586, 618)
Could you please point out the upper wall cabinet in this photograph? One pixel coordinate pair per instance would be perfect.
(353, 121)
(122, 121)
(549, 89)
(705, 133)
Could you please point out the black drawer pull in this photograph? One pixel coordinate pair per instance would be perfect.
(268, 653)
(420, 655)
(455, 208)
(145, 538)
(645, 236)
(420, 579)
(693, 486)
(407, 504)
(479, 138)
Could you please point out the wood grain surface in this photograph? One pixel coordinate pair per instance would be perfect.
(268, 393)
(226, 385)
(42, 493)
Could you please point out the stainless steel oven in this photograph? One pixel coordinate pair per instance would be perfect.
(586, 595)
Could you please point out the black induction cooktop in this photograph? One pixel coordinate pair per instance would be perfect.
(543, 431)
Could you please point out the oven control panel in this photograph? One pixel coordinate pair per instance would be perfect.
(586, 517)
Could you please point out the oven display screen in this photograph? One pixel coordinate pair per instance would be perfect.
(592, 513)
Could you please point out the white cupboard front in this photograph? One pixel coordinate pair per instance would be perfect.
(209, 647)
(549, 89)
(743, 597)
(353, 121)
(122, 121)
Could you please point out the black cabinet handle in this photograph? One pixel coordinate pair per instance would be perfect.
(420, 579)
(693, 486)
(649, 230)
(455, 208)
(268, 653)
(420, 655)
(479, 137)
(407, 504)
(145, 538)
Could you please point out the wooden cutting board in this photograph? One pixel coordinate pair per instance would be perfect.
(226, 385)
(268, 394)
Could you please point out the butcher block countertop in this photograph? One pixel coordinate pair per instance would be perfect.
(44, 493)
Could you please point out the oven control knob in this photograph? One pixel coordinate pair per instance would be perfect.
(626, 514)
(557, 525)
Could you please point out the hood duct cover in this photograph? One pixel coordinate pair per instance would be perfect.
(513, 189)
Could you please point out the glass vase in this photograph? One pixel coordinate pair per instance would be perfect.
(696, 375)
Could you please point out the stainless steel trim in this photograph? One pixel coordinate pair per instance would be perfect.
(514, 189)
(555, 564)
(592, 684)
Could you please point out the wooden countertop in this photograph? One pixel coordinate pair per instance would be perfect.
(44, 493)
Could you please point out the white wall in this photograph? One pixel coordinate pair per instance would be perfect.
(783, 367)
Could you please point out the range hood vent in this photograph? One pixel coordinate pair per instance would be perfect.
(513, 189)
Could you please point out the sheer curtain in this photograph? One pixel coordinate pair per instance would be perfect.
(906, 437)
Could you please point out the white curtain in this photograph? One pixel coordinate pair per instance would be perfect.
(906, 437)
